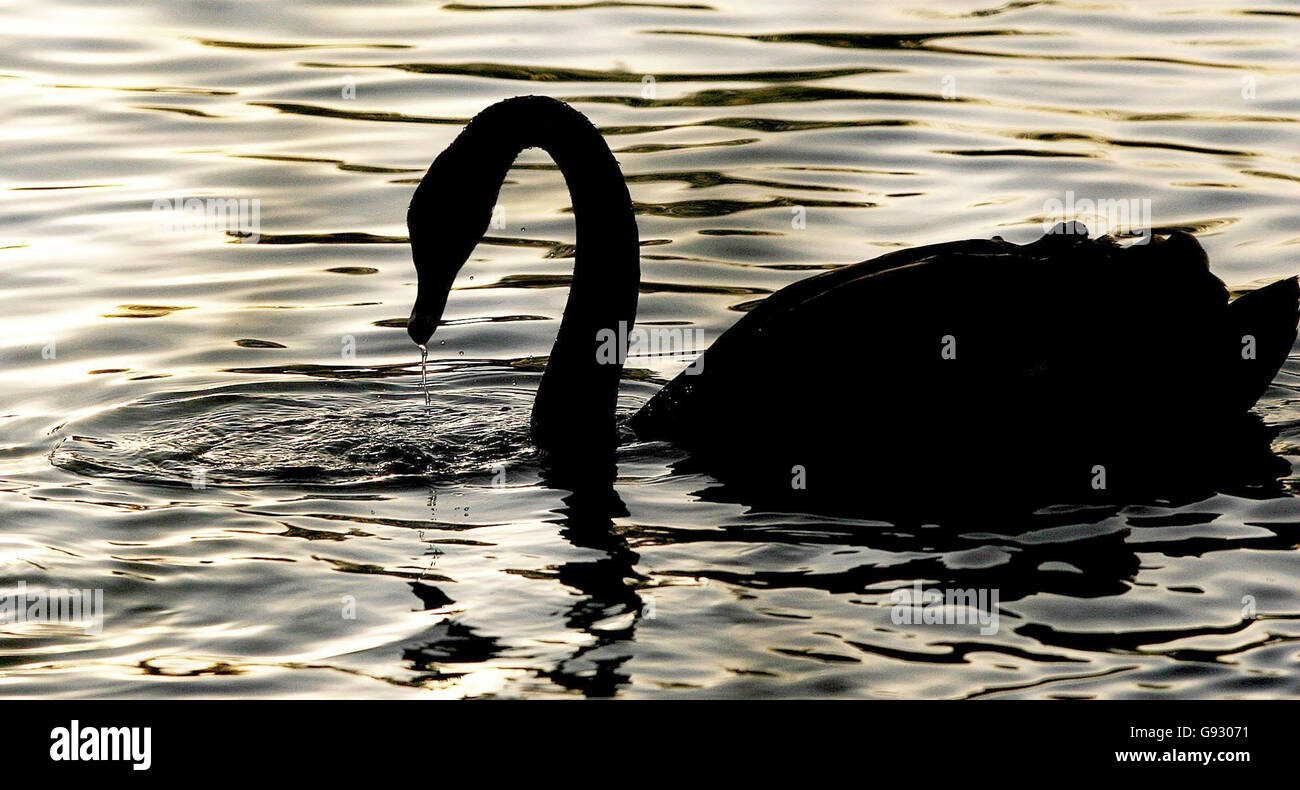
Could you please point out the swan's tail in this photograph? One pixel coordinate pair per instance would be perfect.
(1261, 332)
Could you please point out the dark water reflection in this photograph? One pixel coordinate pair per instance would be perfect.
(229, 439)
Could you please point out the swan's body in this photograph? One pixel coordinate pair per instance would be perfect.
(885, 366)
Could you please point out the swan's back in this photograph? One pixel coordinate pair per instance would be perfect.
(1063, 342)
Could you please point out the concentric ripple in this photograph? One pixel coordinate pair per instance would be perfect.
(258, 434)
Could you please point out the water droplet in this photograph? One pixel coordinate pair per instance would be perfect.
(424, 372)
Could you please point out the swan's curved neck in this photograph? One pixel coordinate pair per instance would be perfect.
(451, 210)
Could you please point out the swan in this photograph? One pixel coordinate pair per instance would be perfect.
(1068, 358)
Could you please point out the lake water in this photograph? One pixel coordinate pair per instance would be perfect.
(229, 438)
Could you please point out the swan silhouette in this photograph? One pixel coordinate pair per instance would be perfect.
(1062, 359)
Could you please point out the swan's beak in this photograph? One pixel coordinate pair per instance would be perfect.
(435, 275)
(420, 327)
(430, 301)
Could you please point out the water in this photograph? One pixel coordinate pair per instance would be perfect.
(227, 437)
(424, 372)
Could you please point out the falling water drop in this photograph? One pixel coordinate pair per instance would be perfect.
(424, 372)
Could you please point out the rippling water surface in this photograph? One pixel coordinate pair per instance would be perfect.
(229, 438)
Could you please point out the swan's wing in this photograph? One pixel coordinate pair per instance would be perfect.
(1109, 337)
(818, 337)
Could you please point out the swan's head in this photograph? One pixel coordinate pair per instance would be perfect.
(435, 279)
(448, 215)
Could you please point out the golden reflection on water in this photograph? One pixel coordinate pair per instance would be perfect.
(133, 357)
